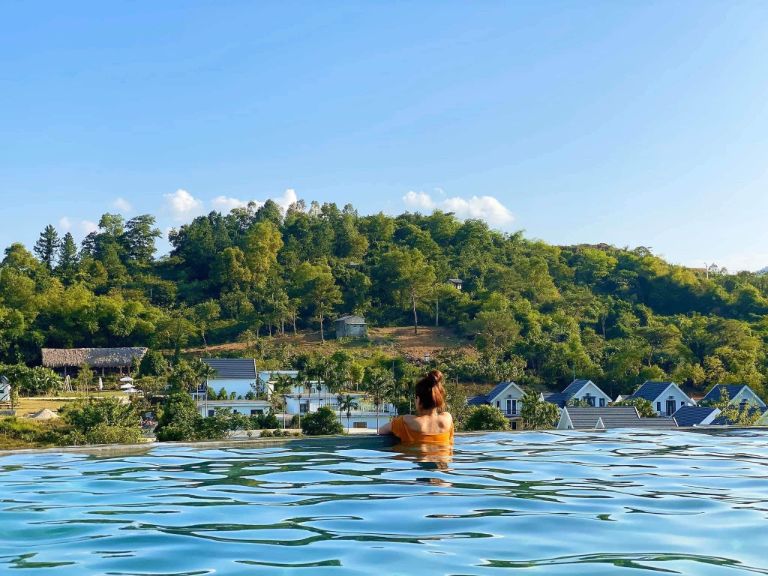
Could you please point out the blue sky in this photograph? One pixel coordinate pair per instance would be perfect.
(632, 123)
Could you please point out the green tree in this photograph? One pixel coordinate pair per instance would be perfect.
(409, 277)
(321, 422)
(347, 403)
(179, 419)
(644, 407)
(67, 258)
(47, 246)
(537, 413)
(139, 239)
(377, 380)
(318, 290)
(485, 417)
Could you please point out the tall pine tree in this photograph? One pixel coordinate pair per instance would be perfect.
(67, 258)
(47, 245)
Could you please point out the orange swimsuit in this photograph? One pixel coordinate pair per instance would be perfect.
(408, 436)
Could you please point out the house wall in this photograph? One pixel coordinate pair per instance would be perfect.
(350, 330)
(5, 394)
(239, 386)
(591, 389)
(674, 393)
(239, 407)
(748, 395)
(513, 408)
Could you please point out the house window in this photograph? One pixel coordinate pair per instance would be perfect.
(514, 425)
(304, 407)
(509, 406)
(682, 403)
(359, 424)
(514, 406)
(658, 407)
(211, 412)
(590, 400)
(498, 404)
(254, 412)
(602, 402)
(670, 406)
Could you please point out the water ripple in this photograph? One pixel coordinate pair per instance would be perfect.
(556, 503)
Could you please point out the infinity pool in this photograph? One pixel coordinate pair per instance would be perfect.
(546, 503)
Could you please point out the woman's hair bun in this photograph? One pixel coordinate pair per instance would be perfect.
(435, 377)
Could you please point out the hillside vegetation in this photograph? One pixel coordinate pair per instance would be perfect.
(534, 312)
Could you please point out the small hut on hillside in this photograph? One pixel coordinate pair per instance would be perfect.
(103, 360)
(351, 326)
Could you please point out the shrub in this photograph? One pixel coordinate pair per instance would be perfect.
(106, 434)
(485, 417)
(266, 434)
(320, 423)
(644, 407)
(538, 414)
(179, 420)
(84, 415)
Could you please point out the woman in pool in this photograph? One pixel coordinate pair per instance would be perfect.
(431, 424)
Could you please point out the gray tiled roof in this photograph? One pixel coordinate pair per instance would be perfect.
(498, 389)
(573, 388)
(650, 390)
(351, 319)
(692, 415)
(486, 398)
(715, 393)
(233, 368)
(556, 398)
(614, 417)
(478, 400)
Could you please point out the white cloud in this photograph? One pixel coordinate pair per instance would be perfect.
(288, 198)
(182, 205)
(122, 205)
(225, 203)
(65, 223)
(86, 227)
(419, 201)
(486, 208)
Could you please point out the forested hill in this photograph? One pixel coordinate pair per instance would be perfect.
(538, 313)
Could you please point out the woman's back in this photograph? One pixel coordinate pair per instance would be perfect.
(434, 429)
(431, 424)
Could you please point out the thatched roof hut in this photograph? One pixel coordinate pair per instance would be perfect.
(93, 357)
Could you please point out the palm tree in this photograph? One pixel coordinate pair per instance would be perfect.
(204, 371)
(377, 382)
(347, 403)
(281, 385)
(318, 389)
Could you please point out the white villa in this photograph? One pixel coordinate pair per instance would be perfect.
(581, 390)
(739, 395)
(665, 397)
(236, 375)
(507, 397)
(240, 376)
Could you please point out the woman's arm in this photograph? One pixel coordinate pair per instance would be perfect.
(385, 428)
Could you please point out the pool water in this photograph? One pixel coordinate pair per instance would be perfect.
(546, 503)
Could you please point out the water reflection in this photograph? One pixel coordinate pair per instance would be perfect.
(559, 503)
